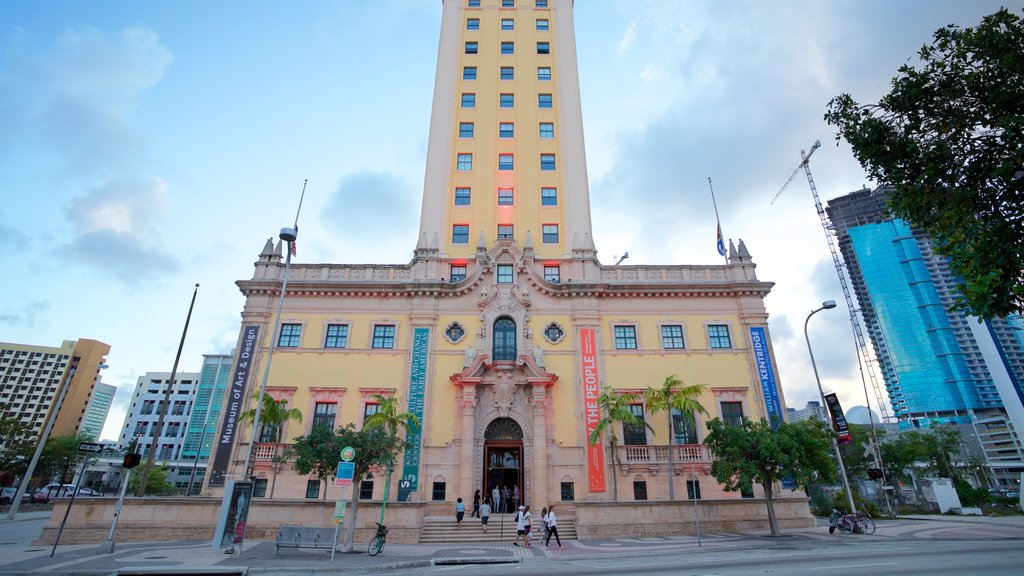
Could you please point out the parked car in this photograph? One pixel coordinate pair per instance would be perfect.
(59, 490)
(7, 496)
(39, 497)
(88, 492)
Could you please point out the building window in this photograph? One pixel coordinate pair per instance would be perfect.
(547, 162)
(472, 48)
(508, 3)
(507, 100)
(460, 234)
(383, 336)
(639, 490)
(464, 162)
(504, 339)
(508, 48)
(568, 491)
(289, 335)
(312, 489)
(337, 336)
(547, 130)
(543, 24)
(718, 336)
(324, 413)
(544, 100)
(549, 233)
(506, 130)
(544, 73)
(625, 337)
(554, 333)
(437, 494)
(473, 4)
(508, 73)
(506, 161)
(505, 274)
(684, 427)
(508, 24)
(469, 73)
(505, 232)
(732, 413)
(366, 490)
(465, 129)
(473, 24)
(455, 333)
(148, 406)
(548, 197)
(542, 3)
(746, 492)
(369, 409)
(693, 489)
(635, 434)
(553, 274)
(458, 274)
(259, 488)
(543, 48)
(672, 337)
(462, 196)
(469, 100)
(506, 197)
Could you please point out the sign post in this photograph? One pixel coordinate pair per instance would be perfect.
(88, 447)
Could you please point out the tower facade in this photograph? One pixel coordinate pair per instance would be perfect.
(97, 410)
(504, 328)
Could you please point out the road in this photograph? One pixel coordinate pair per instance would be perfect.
(21, 532)
(934, 558)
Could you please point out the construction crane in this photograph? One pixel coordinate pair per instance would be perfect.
(858, 334)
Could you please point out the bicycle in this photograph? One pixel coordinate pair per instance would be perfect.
(858, 522)
(377, 542)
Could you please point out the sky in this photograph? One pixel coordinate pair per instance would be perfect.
(148, 146)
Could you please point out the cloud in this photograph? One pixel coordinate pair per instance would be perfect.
(115, 228)
(360, 202)
(26, 314)
(75, 95)
(628, 38)
(12, 238)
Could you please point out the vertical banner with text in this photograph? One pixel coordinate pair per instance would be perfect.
(765, 372)
(410, 480)
(838, 419)
(591, 410)
(234, 404)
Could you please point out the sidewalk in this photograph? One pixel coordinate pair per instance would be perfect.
(260, 558)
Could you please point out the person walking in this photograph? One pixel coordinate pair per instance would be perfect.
(460, 512)
(496, 499)
(520, 526)
(527, 525)
(552, 527)
(485, 514)
(476, 505)
(515, 495)
(544, 522)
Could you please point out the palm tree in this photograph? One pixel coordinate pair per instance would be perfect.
(389, 418)
(275, 414)
(614, 408)
(674, 395)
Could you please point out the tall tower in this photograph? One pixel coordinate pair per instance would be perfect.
(505, 156)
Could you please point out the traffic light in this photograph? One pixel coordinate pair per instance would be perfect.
(131, 461)
(874, 473)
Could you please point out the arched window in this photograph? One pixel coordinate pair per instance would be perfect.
(504, 339)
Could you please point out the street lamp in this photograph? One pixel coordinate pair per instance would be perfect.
(828, 305)
(50, 420)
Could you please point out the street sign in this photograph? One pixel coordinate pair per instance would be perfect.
(93, 447)
(339, 512)
(348, 453)
(346, 470)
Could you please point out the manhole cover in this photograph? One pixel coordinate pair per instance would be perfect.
(155, 558)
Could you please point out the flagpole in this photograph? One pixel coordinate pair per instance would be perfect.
(718, 222)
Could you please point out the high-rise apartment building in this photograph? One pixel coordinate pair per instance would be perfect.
(140, 422)
(504, 328)
(201, 433)
(97, 410)
(940, 366)
(31, 377)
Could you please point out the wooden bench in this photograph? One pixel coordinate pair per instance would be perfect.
(304, 537)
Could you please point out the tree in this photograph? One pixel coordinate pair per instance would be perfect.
(614, 409)
(157, 484)
(675, 395)
(949, 137)
(17, 442)
(60, 457)
(753, 453)
(318, 452)
(390, 419)
(275, 415)
(930, 450)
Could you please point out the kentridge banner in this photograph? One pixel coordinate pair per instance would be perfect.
(766, 373)
(233, 406)
(591, 410)
(838, 419)
(417, 386)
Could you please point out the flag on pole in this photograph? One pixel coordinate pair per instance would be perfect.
(721, 242)
(291, 245)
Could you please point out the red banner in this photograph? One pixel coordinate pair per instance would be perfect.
(591, 410)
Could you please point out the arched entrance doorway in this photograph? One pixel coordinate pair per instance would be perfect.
(503, 460)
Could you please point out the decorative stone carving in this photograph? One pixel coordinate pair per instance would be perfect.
(470, 356)
(504, 393)
(538, 356)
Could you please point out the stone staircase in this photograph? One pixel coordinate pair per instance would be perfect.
(442, 529)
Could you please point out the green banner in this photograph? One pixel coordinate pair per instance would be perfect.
(417, 387)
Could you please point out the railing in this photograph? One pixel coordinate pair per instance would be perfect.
(649, 454)
(268, 450)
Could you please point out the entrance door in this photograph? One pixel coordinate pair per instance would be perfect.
(503, 463)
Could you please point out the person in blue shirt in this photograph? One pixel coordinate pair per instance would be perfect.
(460, 512)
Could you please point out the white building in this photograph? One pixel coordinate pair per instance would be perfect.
(141, 419)
(97, 410)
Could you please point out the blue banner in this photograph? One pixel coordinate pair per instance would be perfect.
(763, 359)
(417, 386)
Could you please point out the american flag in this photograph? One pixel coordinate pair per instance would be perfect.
(291, 247)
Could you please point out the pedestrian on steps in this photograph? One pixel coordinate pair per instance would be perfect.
(485, 513)
(476, 504)
(460, 513)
